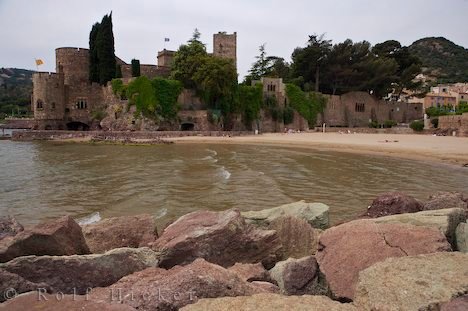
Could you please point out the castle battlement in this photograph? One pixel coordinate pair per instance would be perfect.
(72, 50)
(46, 75)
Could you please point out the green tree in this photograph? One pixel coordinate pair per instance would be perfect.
(118, 71)
(93, 56)
(105, 50)
(135, 68)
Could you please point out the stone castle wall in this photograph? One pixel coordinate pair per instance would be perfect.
(73, 63)
(459, 123)
(225, 46)
(48, 95)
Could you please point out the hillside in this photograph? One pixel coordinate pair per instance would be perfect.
(442, 59)
(15, 91)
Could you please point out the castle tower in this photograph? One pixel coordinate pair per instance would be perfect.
(165, 58)
(48, 96)
(73, 63)
(225, 46)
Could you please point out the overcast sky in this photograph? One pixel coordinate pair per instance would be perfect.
(33, 29)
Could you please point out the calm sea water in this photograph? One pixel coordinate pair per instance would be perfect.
(44, 180)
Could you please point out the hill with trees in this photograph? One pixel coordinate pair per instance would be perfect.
(15, 91)
(442, 59)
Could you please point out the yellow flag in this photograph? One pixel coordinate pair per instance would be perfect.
(39, 62)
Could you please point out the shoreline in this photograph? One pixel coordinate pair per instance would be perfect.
(445, 150)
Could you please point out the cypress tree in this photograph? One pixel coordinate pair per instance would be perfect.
(93, 58)
(105, 50)
(135, 68)
(118, 71)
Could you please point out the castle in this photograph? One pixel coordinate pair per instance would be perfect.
(66, 100)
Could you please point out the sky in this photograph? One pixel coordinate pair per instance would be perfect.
(34, 29)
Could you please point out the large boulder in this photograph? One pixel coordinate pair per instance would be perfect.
(9, 226)
(12, 284)
(36, 301)
(441, 200)
(461, 237)
(445, 220)
(457, 304)
(160, 289)
(391, 203)
(349, 248)
(412, 283)
(126, 231)
(219, 237)
(267, 302)
(297, 237)
(59, 237)
(299, 277)
(77, 273)
(316, 214)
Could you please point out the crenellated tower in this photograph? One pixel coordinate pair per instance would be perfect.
(225, 46)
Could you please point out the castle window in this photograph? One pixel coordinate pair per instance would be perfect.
(39, 104)
(53, 105)
(81, 103)
(271, 88)
(360, 107)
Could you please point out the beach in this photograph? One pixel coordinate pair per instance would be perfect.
(443, 149)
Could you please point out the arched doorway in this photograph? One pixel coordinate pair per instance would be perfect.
(187, 126)
(77, 126)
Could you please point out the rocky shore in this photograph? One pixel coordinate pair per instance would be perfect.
(401, 254)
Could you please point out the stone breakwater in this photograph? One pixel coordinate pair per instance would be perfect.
(118, 136)
(401, 254)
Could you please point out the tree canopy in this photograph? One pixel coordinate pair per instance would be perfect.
(102, 63)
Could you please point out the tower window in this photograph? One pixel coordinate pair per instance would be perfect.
(53, 105)
(360, 107)
(39, 104)
(81, 103)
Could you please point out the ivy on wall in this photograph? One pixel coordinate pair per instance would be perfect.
(307, 104)
(250, 102)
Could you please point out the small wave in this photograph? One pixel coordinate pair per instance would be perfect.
(209, 158)
(213, 152)
(224, 173)
(90, 219)
(161, 213)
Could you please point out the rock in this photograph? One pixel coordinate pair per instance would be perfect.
(299, 277)
(347, 249)
(267, 302)
(445, 220)
(412, 283)
(9, 226)
(68, 274)
(12, 284)
(266, 287)
(250, 272)
(391, 203)
(62, 236)
(219, 237)
(457, 304)
(441, 200)
(41, 301)
(316, 214)
(298, 238)
(461, 237)
(159, 289)
(127, 231)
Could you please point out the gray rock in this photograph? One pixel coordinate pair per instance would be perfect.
(316, 214)
(12, 284)
(446, 220)
(9, 226)
(441, 200)
(461, 237)
(299, 277)
(80, 272)
(412, 283)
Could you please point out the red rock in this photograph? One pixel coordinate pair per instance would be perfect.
(160, 289)
(12, 284)
(347, 249)
(266, 287)
(62, 236)
(391, 203)
(442, 200)
(126, 231)
(39, 301)
(9, 226)
(76, 273)
(223, 238)
(457, 304)
(250, 272)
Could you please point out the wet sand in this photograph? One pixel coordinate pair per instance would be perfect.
(442, 149)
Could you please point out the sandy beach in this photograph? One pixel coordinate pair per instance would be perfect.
(442, 149)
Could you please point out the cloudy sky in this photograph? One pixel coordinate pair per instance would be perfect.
(33, 29)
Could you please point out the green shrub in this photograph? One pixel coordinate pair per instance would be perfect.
(288, 115)
(435, 122)
(417, 126)
(389, 123)
(307, 104)
(373, 124)
(119, 88)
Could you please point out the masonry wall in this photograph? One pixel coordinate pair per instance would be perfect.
(73, 63)
(225, 46)
(459, 123)
(48, 92)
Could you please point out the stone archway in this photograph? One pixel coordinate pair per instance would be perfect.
(187, 126)
(77, 126)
